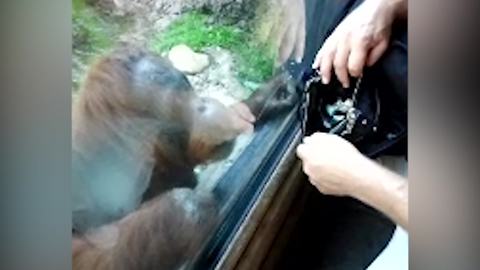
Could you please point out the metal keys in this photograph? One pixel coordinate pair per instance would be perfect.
(345, 112)
(341, 116)
(305, 102)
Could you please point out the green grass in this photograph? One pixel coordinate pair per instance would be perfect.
(93, 33)
(193, 30)
(253, 61)
(90, 31)
(256, 64)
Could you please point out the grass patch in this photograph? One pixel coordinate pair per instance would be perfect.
(193, 30)
(93, 33)
(254, 62)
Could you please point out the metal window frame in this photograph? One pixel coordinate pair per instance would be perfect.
(261, 169)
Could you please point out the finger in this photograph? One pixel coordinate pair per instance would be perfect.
(301, 151)
(326, 65)
(249, 128)
(318, 59)
(377, 52)
(275, 24)
(357, 58)
(318, 135)
(312, 181)
(243, 126)
(306, 168)
(317, 185)
(307, 140)
(272, 28)
(340, 63)
(315, 140)
(321, 189)
(314, 137)
(288, 45)
(301, 35)
(324, 49)
(243, 111)
(281, 31)
(248, 115)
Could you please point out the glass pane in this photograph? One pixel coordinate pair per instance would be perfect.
(181, 110)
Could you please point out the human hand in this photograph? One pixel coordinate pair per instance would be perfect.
(360, 39)
(284, 29)
(332, 164)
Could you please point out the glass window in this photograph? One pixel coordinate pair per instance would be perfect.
(182, 111)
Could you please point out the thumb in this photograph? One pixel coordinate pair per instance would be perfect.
(301, 151)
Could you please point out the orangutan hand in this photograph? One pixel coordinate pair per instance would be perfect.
(243, 112)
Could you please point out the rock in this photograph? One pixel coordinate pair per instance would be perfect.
(186, 60)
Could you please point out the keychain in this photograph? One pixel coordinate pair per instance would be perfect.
(305, 101)
(342, 113)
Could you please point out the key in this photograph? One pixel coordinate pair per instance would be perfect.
(305, 101)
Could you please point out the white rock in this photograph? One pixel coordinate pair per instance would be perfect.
(186, 60)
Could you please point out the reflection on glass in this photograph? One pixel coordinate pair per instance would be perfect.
(176, 104)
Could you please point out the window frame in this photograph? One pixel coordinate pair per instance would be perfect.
(271, 149)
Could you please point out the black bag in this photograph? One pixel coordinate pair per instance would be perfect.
(372, 113)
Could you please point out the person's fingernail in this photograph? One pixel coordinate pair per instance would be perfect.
(299, 151)
(325, 80)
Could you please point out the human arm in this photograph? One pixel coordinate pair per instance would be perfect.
(359, 40)
(335, 167)
(282, 27)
